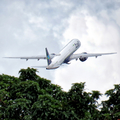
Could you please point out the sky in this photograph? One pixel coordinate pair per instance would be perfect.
(27, 27)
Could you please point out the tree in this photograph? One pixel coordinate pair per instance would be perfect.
(31, 97)
(28, 74)
(84, 104)
(111, 107)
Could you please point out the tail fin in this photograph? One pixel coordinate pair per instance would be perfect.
(48, 56)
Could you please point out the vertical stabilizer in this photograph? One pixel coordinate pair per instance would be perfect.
(48, 56)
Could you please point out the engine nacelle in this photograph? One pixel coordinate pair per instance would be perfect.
(82, 59)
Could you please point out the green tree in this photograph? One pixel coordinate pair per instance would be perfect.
(32, 97)
(84, 104)
(6, 83)
(28, 74)
(111, 107)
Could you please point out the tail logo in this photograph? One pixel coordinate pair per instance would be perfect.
(48, 56)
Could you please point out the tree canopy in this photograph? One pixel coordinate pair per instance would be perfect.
(30, 97)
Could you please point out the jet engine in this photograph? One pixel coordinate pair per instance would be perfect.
(82, 59)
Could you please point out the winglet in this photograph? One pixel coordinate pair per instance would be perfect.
(48, 56)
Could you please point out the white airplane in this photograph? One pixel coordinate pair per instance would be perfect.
(66, 54)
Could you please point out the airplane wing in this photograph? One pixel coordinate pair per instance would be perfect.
(32, 57)
(35, 57)
(86, 55)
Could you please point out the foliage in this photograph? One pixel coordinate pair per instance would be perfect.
(32, 97)
(111, 107)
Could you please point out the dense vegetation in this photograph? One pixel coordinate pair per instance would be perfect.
(31, 97)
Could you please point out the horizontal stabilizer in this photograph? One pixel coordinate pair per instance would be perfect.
(57, 54)
(39, 66)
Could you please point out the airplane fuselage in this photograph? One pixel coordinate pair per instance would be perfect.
(65, 54)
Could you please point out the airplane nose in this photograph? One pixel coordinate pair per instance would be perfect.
(79, 43)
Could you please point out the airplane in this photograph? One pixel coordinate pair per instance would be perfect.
(65, 56)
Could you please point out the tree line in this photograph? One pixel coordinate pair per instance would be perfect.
(30, 97)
